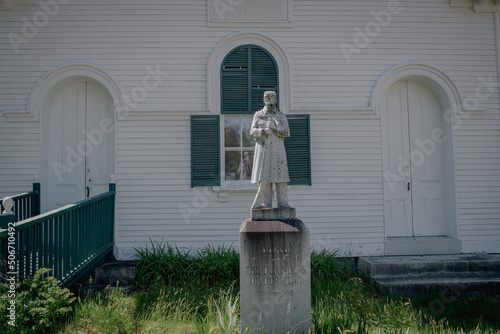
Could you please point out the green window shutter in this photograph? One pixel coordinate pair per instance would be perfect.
(264, 76)
(246, 73)
(298, 150)
(234, 82)
(205, 151)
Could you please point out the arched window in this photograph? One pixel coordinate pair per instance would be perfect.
(246, 73)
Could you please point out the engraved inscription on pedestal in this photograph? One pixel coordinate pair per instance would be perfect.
(275, 277)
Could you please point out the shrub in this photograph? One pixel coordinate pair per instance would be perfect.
(40, 305)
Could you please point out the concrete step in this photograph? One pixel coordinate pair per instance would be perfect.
(461, 275)
(390, 266)
(118, 276)
(113, 273)
(445, 285)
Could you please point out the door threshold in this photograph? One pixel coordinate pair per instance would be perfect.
(422, 246)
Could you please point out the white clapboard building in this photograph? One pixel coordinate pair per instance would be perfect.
(393, 108)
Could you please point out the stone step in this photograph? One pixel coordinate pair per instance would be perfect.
(117, 276)
(445, 285)
(113, 273)
(391, 266)
(463, 275)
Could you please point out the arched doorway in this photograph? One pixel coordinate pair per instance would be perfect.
(77, 142)
(414, 141)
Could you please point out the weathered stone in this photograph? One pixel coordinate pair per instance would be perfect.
(272, 214)
(270, 128)
(275, 276)
(113, 273)
(112, 276)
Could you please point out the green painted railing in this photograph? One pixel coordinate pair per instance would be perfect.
(26, 205)
(69, 240)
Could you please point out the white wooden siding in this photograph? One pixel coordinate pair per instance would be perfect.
(344, 207)
(18, 156)
(344, 203)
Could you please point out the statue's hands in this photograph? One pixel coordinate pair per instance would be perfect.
(267, 131)
(272, 126)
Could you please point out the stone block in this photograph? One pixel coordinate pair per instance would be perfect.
(275, 276)
(272, 214)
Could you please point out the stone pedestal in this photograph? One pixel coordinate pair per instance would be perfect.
(275, 275)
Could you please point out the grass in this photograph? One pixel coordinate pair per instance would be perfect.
(198, 293)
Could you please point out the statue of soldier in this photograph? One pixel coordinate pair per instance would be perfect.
(270, 128)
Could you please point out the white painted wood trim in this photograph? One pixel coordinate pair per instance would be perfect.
(22, 2)
(213, 21)
(347, 112)
(242, 38)
(436, 79)
(480, 246)
(51, 83)
(478, 6)
(16, 113)
(497, 45)
(71, 73)
(461, 3)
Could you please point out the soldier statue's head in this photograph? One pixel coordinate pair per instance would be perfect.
(270, 99)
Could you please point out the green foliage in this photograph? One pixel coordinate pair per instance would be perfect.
(327, 265)
(468, 314)
(223, 316)
(363, 307)
(182, 292)
(103, 314)
(40, 305)
(329, 314)
(389, 315)
(217, 266)
(163, 265)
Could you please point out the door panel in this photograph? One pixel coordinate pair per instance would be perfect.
(79, 143)
(66, 157)
(414, 189)
(427, 172)
(397, 209)
(99, 135)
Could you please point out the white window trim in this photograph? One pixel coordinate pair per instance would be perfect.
(227, 45)
(236, 185)
(214, 94)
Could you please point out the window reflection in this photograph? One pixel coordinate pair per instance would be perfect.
(246, 165)
(232, 131)
(239, 148)
(248, 140)
(233, 159)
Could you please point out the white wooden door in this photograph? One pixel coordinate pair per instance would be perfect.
(412, 126)
(80, 143)
(66, 120)
(396, 162)
(427, 164)
(100, 144)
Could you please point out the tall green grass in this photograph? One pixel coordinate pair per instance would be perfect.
(198, 292)
(163, 265)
